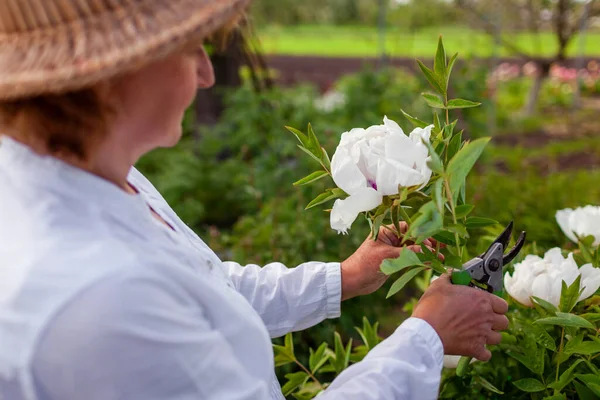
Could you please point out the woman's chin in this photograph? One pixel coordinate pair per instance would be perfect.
(172, 139)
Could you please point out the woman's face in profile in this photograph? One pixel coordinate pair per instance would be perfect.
(154, 98)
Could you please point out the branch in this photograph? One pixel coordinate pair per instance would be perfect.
(489, 28)
(592, 12)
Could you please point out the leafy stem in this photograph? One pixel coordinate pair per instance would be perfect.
(453, 210)
(312, 376)
(560, 349)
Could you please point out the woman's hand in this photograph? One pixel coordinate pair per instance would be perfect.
(466, 319)
(361, 272)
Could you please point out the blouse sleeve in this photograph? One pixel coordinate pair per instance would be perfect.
(290, 299)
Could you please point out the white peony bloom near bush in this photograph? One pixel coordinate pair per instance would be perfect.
(451, 362)
(371, 163)
(331, 101)
(543, 277)
(583, 221)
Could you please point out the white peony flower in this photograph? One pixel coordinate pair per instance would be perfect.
(543, 277)
(371, 163)
(451, 362)
(583, 221)
(330, 101)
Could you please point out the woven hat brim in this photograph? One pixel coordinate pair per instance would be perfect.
(83, 52)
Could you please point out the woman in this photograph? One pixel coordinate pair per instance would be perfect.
(104, 291)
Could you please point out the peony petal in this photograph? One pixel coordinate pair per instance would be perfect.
(392, 126)
(451, 362)
(345, 211)
(583, 221)
(590, 280)
(346, 175)
(517, 290)
(390, 174)
(563, 219)
(420, 134)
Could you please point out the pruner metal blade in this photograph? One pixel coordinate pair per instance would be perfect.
(508, 257)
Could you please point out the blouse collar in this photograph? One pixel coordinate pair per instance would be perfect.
(21, 162)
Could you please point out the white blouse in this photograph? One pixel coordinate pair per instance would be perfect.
(100, 301)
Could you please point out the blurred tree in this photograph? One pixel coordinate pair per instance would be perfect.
(293, 12)
(229, 53)
(563, 17)
(418, 14)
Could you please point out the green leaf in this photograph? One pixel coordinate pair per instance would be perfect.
(439, 65)
(294, 380)
(463, 366)
(317, 358)
(325, 159)
(325, 197)
(368, 333)
(462, 163)
(461, 103)
(463, 210)
(564, 319)
(592, 382)
(289, 343)
(574, 341)
(435, 163)
(560, 396)
(586, 348)
(438, 195)
(592, 317)
(459, 229)
(282, 355)
(487, 385)
(565, 378)
(437, 124)
(302, 138)
(342, 355)
(403, 280)
(315, 146)
(431, 78)
(551, 308)
(588, 257)
(449, 131)
(533, 359)
(479, 222)
(569, 295)
(415, 121)
(407, 258)
(529, 385)
(433, 100)
(449, 68)
(315, 176)
(540, 335)
(310, 154)
(454, 146)
(428, 222)
(583, 393)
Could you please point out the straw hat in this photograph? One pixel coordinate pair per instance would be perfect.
(53, 46)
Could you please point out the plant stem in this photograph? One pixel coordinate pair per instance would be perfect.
(309, 374)
(453, 210)
(447, 111)
(560, 349)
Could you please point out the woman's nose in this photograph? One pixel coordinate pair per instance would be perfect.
(205, 72)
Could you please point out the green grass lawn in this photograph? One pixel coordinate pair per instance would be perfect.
(323, 40)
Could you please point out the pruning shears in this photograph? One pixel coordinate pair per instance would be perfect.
(485, 271)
